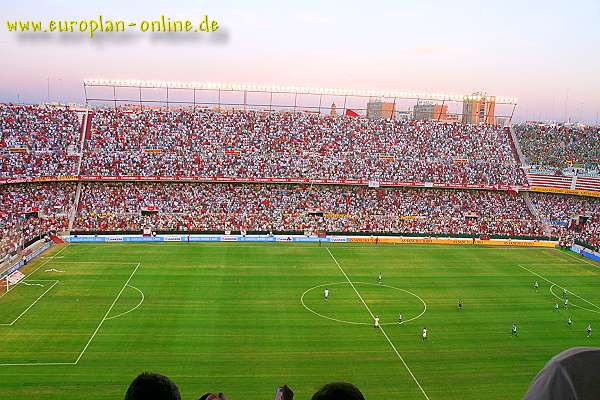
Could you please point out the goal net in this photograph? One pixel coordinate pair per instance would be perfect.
(9, 281)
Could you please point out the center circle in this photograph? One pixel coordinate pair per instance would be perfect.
(386, 306)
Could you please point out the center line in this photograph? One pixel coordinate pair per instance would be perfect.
(381, 327)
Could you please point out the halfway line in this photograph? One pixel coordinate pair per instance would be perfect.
(381, 327)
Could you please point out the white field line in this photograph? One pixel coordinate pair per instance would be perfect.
(93, 335)
(95, 262)
(362, 323)
(560, 287)
(381, 327)
(106, 315)
(579, 258)
(32, 304)
(36, 364)
(134, 308)
(572, 304)
(32, 272)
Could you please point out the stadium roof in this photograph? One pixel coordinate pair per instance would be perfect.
(241, 87)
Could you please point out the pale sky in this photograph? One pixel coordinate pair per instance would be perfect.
(538, 51)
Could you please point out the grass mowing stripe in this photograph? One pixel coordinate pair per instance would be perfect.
(106, 315)
(381, 327)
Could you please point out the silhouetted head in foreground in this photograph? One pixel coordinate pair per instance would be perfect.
(212, 396)
(338, 391)
(149, 386)
(571, 375)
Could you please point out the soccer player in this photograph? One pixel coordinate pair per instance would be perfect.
(514, 329)
(376, 322)
(565, 293)
(326, 294)
(536, 285)
(399, 318)
(570, 321)
(589, 330)
(460, 303)
(566, 303)
(380, 278)
(424, 334)
(556, 307)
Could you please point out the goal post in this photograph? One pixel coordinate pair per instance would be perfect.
(4, 284)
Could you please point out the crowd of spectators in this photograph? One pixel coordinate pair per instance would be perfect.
(301, 208)
(556, 147)
(34, 141)
(31, 210)
(300, 145)
(575, 217)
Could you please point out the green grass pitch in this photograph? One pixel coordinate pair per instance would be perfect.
(246, 318)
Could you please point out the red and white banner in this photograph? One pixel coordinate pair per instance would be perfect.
(591, 184)
(559, 182)
(564, 182)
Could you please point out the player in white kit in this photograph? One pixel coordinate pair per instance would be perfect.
(326, 294)
(376, 322)
(424, 334)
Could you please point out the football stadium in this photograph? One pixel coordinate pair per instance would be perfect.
(250, 240)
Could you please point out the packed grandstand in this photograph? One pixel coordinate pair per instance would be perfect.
(199, 170)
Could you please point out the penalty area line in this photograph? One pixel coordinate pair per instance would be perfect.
(45, 364)
(557, 285)
(107, 313)
(578, 258)
(381, 327)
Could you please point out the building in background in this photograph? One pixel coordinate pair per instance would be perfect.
(452, 118)
(479, 108)
(403, 115)
(377, 109)
(430, 112)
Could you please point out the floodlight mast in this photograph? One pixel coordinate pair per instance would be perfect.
(391, 95)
